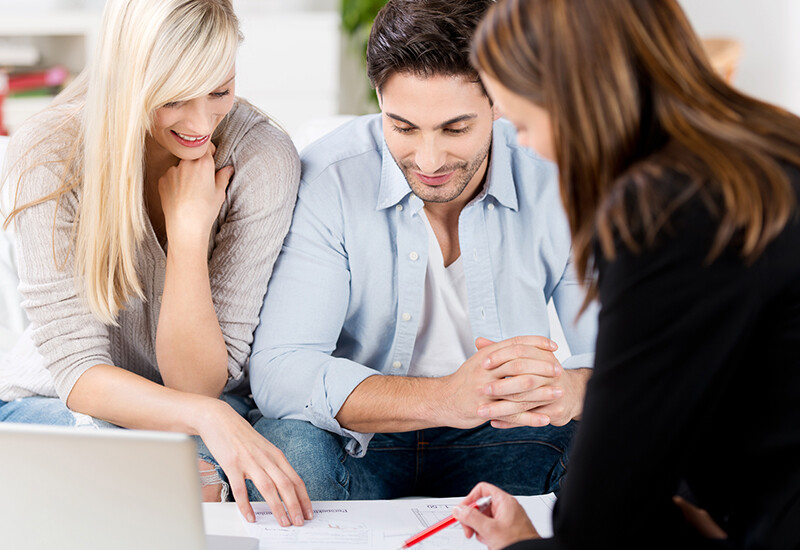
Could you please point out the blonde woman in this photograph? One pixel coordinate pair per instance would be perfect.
(150, 205)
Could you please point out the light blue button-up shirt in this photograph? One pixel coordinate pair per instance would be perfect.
(345, 298)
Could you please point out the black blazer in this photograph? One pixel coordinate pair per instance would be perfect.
(696, 383)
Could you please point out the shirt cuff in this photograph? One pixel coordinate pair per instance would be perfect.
(329, 394)
(580, 361)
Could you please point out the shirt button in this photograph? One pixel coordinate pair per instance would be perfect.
(406, 317)
(491, 206)
(397, 365)
(399, 207)
(414, 256)
(483, 313)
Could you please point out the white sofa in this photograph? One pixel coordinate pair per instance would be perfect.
(12, 318)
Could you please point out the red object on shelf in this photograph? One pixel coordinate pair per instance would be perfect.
(23, 82)
(3, 92)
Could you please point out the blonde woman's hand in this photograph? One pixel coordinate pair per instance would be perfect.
(244, 454)
(191, 197)
(503, 524)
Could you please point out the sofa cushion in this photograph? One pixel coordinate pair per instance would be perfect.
(12, 318)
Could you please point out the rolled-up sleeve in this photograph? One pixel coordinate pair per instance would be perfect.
(580, 330)
(293, 372)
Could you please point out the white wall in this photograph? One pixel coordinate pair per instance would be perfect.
(769, 31)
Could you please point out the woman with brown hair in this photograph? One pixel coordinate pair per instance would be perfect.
(682, 198)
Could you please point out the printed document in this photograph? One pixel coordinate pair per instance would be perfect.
(381, 524)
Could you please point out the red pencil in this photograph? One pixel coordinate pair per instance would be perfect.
(481, 504)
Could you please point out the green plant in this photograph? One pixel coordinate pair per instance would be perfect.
(358, 15)
(357, 18)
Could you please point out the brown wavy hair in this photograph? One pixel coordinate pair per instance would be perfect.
(631, 94)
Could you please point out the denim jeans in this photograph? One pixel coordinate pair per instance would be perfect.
(437, 462)
(47, 410)
(53, 412)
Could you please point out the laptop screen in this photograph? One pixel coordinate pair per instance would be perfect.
(67, 488)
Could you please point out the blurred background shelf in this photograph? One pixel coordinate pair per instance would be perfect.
(61, 38)
(17, 109)
(289, 62)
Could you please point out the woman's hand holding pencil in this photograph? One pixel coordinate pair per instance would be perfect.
(502, 523)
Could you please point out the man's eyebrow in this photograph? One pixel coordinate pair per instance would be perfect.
(400, 119)
(456, 120)
(444, 124)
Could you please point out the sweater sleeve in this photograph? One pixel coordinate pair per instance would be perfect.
(261, 198)
(69, 338)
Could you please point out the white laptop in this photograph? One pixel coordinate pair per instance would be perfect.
(66, 488)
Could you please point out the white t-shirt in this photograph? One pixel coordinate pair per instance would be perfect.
(444, 337)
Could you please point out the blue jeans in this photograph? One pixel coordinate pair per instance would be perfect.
(53, 412)
(47, 410)
(437, 462)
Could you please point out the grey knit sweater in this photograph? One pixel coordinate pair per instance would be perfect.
(64, 339)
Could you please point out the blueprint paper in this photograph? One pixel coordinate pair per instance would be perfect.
(380, 524)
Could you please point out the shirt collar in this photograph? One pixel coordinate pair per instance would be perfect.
(499, 181)
(394, 187)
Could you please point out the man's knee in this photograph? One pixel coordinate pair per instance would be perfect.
(523, 461)
(315, 454)
(553, 465)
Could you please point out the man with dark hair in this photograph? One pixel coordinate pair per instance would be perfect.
(420, 38)
(406, 320)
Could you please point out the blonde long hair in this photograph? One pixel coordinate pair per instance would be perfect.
(630, 93)
(149, 53)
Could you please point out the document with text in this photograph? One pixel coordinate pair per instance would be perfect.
(381, 524)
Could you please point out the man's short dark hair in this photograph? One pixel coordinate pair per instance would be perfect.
(424, 38)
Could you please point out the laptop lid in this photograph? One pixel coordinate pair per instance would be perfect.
(66, 488)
